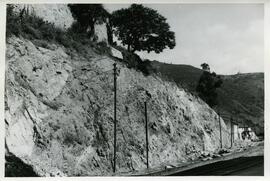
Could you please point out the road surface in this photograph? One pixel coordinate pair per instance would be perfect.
(243, 166)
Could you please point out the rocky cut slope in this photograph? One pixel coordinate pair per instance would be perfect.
(59, 114)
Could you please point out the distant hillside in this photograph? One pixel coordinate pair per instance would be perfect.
(241, 95)
(186, 75)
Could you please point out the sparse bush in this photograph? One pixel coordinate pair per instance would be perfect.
(132, 60)
(146, 67)
(76, 27)
(12, 25)
(103, 48)
(28, 29)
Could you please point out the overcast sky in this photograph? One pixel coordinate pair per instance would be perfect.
(229, 37)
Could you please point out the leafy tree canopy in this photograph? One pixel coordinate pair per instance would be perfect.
(207, 86)
(88, 14)
(142, 29)
(205, 67)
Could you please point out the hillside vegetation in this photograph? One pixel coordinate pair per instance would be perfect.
(241, 96)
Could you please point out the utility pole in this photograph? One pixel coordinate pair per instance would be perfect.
(146, 130)
(231, 132)
(220, 130)
(114, 151)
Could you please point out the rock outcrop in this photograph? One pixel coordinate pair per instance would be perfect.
(101, 32)
(61, 16)
(59, 114)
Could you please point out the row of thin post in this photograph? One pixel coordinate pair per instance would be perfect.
(115, 123)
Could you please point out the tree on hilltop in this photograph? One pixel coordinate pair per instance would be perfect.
(205, 67)
(142, 29)
(207, 85)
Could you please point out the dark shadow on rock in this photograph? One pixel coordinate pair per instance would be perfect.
(14, 167)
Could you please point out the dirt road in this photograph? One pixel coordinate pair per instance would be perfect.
(243, 166)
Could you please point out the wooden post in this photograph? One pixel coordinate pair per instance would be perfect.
(146, 131)
(220, 130)
(115, 121)
(231, 133)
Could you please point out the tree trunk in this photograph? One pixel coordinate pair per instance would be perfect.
(92, 31)
(92, 28)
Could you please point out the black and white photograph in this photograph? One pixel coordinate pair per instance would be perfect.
(134, 89)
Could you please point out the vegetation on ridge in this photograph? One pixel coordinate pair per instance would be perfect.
(43, 33)
(207, 86)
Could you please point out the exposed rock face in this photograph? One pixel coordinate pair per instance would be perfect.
(59, 114)
(59, 14)
(116, 53)
(101, 32)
